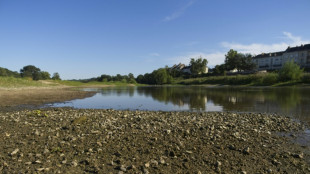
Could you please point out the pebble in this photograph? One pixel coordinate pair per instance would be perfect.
(14, 152)
(246, 151)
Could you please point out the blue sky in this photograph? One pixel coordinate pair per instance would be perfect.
(86, 38)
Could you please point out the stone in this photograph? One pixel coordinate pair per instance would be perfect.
(246, 151)
(301, 155)
(14, 152)
(74, 163)
(147, 165)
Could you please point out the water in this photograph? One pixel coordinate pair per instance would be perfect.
(291, 101)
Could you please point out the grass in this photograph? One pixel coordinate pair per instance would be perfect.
(268, 79)
(12, 82)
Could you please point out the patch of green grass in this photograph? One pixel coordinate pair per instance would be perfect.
(37, 113)
(12, 82)
(268, 79)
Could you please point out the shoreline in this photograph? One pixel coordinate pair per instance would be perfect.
(10, 98)
(98, 140)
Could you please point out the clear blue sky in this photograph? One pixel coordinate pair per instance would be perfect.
(87, 38)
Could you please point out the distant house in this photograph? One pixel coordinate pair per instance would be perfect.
(186, 69)
(275, 60)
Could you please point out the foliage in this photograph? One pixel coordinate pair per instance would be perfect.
(270, 79)
(306, 78)
(251, 79)
(290, 71)
(56, 76)
(37, 113)
(219, 69)
(45, 75)
(198, 66)
(239, 61)
(31, 71)
(8, 73)
(158, 77)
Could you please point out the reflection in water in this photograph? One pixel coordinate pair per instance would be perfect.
(289, 101)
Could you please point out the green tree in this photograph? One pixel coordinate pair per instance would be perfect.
(290, 71)
(56, 76)
(161, 76)
(239, 61)
(232, 60)
(45, 75)
(219, 69)
(31, 71)
(247, 62)
(198, 66)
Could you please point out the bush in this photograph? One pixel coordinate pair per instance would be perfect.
(270, 79)
(290, 71)
(306, 78)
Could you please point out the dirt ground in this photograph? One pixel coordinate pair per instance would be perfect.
(38, 96)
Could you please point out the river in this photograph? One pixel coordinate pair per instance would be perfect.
(291, 101)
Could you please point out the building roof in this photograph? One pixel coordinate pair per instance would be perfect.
(298, 48)
(263, 55)
(288, 50)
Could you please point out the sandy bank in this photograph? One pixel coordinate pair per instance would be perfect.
(39, 95)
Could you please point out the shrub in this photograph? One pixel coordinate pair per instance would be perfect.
(270, 78)
(306, 78)
(290, 71)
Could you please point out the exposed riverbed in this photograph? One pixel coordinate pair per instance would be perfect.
(68, 140)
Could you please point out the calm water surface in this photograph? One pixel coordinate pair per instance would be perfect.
(293, 102)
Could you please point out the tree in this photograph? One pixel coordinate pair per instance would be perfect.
(160, 76)
(239, 61)
(45, 75)
(31, 71)
(232, 60)
(198, 66)
(290, 71)
(56, 76)
(140, 79)
(247, 63)
(219, 69)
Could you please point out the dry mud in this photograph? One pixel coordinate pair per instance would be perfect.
(65, 140)
(13, 98)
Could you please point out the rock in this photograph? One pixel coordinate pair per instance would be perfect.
(147, 165)
(189, 152)
(28, 163)
(246, 151)
(74, 163)
(46, 151)
(301, 155)
(99, 144)
(123, 168)
(168, 131)
(14, 152)
(162, 160)
(218, 164)
(40, 169)
(232, 147)
(37, 162)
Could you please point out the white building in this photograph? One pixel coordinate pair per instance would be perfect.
(274, 61)
(186, 69)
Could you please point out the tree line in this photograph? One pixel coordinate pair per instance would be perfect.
(29, 71)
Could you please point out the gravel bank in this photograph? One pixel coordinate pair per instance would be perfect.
(65, 140)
